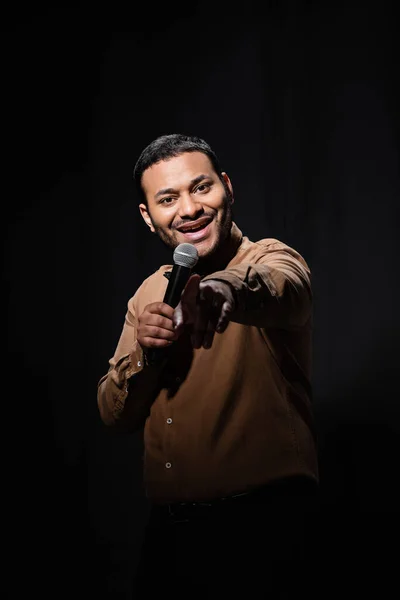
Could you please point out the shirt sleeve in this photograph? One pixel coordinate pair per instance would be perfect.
(125, 393)
(272, 287)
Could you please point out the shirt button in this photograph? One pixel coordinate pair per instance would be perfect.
(178, 379)
(168, 465)
(169, 420)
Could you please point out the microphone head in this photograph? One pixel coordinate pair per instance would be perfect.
(186, 255)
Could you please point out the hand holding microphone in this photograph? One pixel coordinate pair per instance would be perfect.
(205, 306)
(156, 328)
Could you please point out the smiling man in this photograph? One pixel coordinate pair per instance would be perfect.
(230, 446)
(194, 207)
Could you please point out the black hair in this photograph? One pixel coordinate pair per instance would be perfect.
(168, 146)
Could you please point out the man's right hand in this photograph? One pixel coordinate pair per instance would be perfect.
(156, 328)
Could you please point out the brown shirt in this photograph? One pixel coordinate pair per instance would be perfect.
(223, 420)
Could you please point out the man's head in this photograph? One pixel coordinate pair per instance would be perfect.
(185, 195)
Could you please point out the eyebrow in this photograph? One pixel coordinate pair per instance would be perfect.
(194, 182)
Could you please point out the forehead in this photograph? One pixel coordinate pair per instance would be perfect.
(176, 172)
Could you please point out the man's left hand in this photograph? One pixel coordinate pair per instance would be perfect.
(206, 306)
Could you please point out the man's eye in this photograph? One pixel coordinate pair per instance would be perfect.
(168, 200)
(203, 187)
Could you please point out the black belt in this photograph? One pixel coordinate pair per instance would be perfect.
(185, 511)
(178, 512)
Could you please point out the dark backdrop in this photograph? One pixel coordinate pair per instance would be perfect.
(301, 103)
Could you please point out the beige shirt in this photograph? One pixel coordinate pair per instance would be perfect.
(223, 420)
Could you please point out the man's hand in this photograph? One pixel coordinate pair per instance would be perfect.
(156, 328)
(207, 307)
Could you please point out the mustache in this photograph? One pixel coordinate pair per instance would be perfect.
(200, 215)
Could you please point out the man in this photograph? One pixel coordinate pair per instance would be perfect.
(230, 466)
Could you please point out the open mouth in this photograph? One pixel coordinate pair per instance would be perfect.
(197, 230)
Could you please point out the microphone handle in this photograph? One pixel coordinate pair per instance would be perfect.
(176, 284)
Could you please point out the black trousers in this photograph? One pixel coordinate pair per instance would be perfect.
(258, 545)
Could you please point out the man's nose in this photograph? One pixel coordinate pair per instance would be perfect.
(189, 207)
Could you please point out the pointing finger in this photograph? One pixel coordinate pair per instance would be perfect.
(185, 311)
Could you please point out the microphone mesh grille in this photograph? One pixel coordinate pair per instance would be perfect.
(186, 255)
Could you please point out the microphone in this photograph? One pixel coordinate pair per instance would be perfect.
(185, 257)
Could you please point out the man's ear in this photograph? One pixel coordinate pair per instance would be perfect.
(146, 217)
(229, 185)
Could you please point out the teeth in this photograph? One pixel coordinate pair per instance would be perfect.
(194, 228)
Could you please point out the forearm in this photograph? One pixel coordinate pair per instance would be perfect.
(125, 395)
(274, 292)
(126, 392)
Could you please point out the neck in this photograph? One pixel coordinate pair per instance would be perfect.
(219, 259)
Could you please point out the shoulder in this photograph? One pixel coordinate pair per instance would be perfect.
(268, 244)
(270, 248)
(152, 289)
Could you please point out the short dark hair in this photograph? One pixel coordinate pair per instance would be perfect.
(168, 146)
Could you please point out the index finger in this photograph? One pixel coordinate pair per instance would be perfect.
(189, 294)
(185, 310)
(160, 308)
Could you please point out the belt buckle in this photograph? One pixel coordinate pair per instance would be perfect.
(174, 509)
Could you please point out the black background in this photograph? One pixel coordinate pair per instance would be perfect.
(300, 100)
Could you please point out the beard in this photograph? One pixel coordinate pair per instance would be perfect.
(224, 226)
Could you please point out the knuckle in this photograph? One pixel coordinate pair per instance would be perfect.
(156, 332)
(158, 321)
(151, 331)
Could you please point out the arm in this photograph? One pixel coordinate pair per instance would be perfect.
(125, 394)
(273, 289)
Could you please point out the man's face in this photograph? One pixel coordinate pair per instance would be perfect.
(187, 202)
